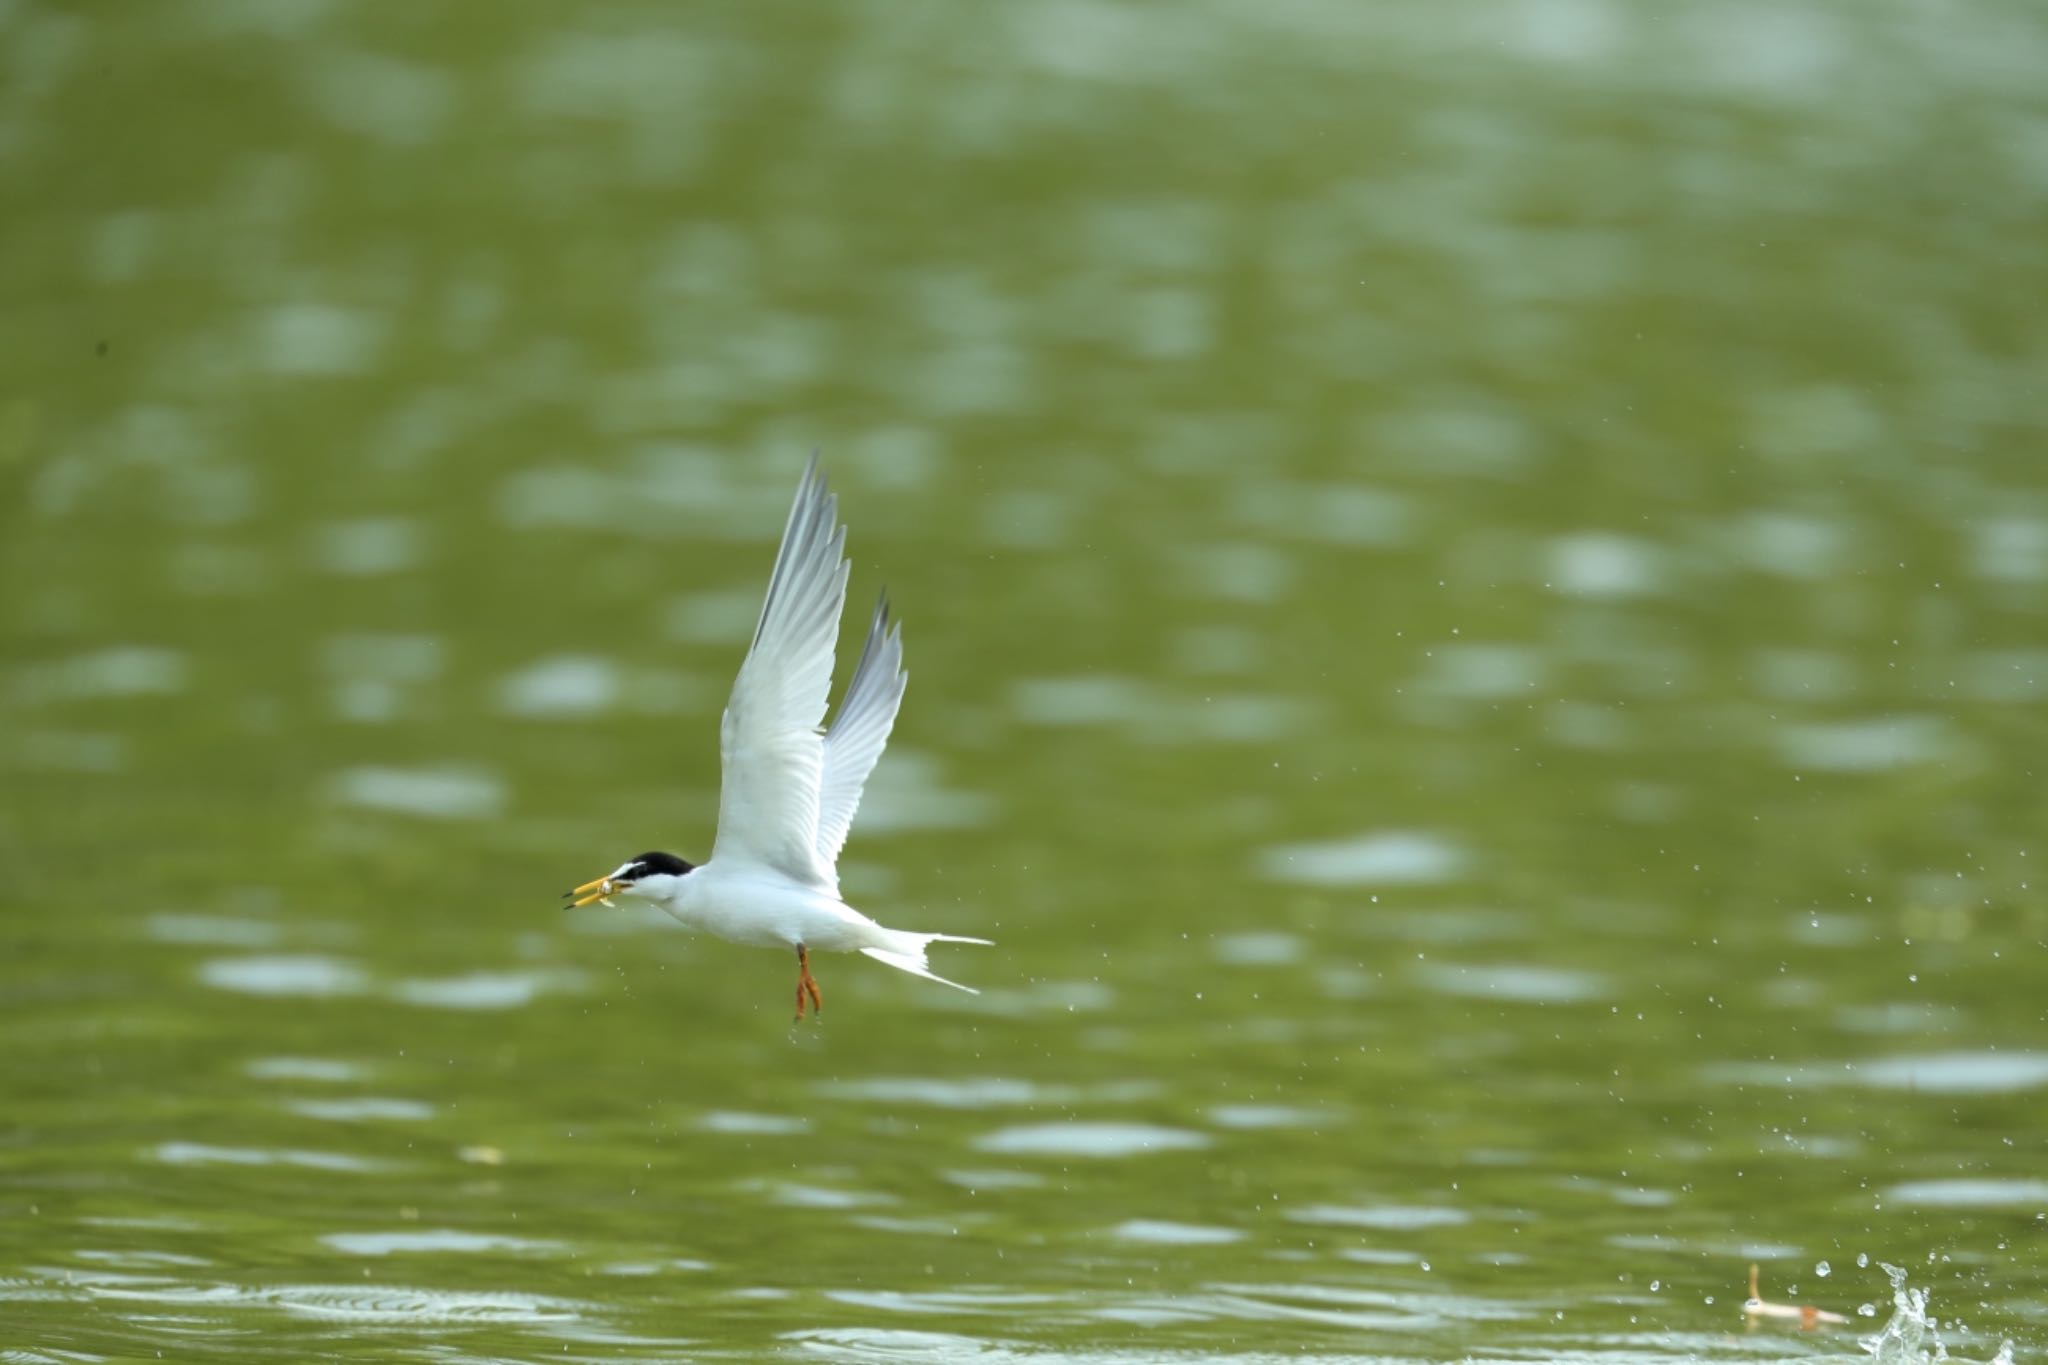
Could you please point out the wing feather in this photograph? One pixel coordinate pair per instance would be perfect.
(771, 754)
(860, 730)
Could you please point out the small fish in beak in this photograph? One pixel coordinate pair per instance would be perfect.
(603, 889)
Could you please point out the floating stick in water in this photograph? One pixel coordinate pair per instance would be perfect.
(1806, 1315)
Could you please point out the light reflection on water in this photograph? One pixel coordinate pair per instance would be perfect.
(1471, 595)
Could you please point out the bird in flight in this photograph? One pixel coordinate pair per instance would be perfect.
(789, 789)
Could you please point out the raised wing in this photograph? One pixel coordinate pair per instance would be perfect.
(771, 754)
(860, 730)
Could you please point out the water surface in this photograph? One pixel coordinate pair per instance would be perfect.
(1474, 595)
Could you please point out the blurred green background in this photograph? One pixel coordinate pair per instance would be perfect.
(1474, 592)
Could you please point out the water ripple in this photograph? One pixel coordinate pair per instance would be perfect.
(755, 1125)
(569, 686)
(1092, 1139)
(1984, 1193)
(203, 1154)
(288, 975)
(303, 1069)
(1385, 858)
(1388, 1217)
(399, 1305)
(1946, 1073)
(484, 990)
(431, 793)
(366, 1107)
(1174, 1234)
(1263, 1116)
(1517, 983)
(435, 1240)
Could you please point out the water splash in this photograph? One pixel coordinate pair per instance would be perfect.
(1912, 1336)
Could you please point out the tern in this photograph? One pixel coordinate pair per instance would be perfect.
(788, 789)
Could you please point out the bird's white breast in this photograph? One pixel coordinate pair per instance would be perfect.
(764, 908)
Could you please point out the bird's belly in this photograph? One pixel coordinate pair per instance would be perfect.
(771, 916)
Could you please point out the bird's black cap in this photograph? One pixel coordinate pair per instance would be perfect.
(651, 864)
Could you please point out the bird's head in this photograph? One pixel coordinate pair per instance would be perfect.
(650, 874)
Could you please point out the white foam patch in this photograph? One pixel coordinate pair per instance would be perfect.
(2013, 549)
(484, 990)
(326, 1069)
(566, 687)
(1938, 1073)
(430, 793)
(1791, 546)
(367, 1107)
(1385, 858)
(311, 338)
(374, 675)
(122, 671)
(435, 1241)
(1384, 1217)
(1338, 514)
(981, 1092)
(723, 616)
(797, 1196)
(753, 1125)
(205, 1154)
(1263, 1116)
(1599, 564)
(1233, 571)
(1875, 745)
(1263, 949)
(1090, 1139)
(1090, 700)
(1483, 671)
(299, 975)
(1157, 1233)
(641, 1269)
(1515, 982)
(994, 1180)
(376, 96)
(368, 547)
(1957, 1073)
(1981, 1193)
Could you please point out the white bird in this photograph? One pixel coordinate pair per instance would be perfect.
(789, 789)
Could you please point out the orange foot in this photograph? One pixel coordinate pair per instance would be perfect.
(805, 985)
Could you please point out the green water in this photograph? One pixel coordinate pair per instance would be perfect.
(1474, 582)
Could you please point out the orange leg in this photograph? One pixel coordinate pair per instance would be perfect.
(805, 984)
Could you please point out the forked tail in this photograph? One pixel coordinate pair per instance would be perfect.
(906, 954)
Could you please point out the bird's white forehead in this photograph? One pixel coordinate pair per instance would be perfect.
(621, 870)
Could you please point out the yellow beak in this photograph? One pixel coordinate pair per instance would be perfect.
(600, 890)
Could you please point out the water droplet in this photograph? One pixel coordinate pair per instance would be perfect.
(1822, 1269)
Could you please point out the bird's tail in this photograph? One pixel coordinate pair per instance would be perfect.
(905, 952)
